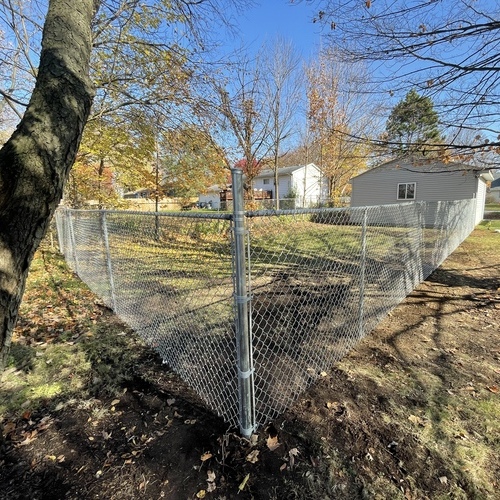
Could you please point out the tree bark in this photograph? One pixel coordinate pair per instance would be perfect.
(35, 162)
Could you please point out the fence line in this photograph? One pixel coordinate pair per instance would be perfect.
(249, 308)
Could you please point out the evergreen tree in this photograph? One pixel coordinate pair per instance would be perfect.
(413, 126)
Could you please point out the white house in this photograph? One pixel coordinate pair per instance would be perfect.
(401, 181)
(211, 198)
(303, 183)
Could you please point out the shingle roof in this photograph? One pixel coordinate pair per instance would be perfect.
(428, 166)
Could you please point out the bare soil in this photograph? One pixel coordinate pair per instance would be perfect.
(410, 413)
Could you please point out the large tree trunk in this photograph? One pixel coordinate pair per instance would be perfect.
(35, 162)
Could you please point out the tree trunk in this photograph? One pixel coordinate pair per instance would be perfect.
(35, 162)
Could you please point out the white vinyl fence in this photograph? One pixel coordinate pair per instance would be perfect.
(250, 307)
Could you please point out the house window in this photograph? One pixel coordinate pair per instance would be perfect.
(266, 181)
(406, 191)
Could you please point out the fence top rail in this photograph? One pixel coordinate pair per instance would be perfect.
(187, 214)
(249, 214)
(324, 210)
(294, 211)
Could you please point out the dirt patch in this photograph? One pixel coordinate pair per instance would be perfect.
(412, 412)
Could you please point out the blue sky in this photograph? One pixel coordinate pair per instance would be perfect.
(277, 17)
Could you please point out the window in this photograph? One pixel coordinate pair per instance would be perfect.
(406, 191)
(266, 181)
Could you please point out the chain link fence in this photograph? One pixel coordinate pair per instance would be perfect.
(249, 308)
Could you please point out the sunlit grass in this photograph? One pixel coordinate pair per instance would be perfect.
(60, 349)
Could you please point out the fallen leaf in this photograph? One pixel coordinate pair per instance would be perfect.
(115, 402)
(292, 454)
(28, 438)
(201, 494)
(206, 456)
(272, 442)
(253, 456)
(493, 388)
(283, 467)
(170, 402)
(211, 481)
(443, 480)
(241, 487)
(44, 423)
(51, 457)
(416, 420)
(8, 428)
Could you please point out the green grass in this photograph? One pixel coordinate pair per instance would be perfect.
(489, 224)
(60, 349)
(492, 206)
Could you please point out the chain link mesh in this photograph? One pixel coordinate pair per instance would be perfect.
(318, 281)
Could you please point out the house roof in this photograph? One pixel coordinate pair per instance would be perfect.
(282, 171)
(429, 166)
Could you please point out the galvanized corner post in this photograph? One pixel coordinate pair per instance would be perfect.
(362, 276)
(242, 320)
(109, 265)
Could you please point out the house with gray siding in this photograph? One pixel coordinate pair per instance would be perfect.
(400, 181)
(494, 192)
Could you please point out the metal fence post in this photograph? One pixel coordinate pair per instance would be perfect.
(242, 322)
(73, 242)
(362, 276)
(108, 259)
(421, 242)
(60, 218)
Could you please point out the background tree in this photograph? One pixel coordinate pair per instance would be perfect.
(283, 93)
(241, 111)
(445, 50)
(115, 155)
(339, 117)
(413, 127)
(190, 162)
